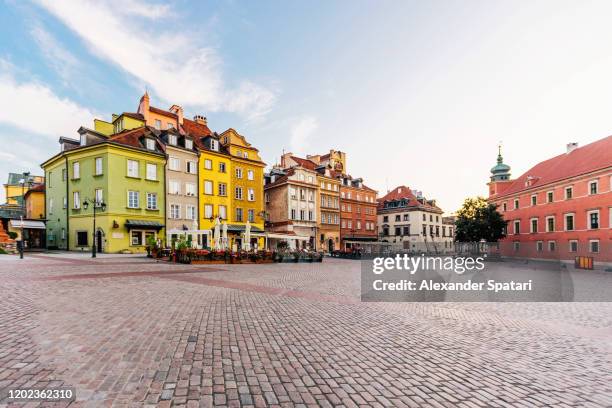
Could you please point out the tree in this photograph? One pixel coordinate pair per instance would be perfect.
(477, 220)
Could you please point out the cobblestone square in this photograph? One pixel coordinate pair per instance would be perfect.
(128, 331)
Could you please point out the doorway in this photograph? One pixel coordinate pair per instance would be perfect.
(330, 245)
(99, 243)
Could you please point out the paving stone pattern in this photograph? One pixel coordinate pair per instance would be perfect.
(127, 331)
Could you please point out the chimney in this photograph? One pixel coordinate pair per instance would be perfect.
(178, 111)
(200, 120)
(143, 106)
(571, 147)
(285, 159)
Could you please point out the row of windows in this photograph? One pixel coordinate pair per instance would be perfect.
(330, 218)
(369, 226)
(592, 222)
(568, 194)
(368, 210)
(406, 217)
(329, 201)
(304, 215)
(330, 186)
(367, 197)
(593, 246)
(174, 164)
(208, 165)
(304, 194)
(175, 212)
(405, 230)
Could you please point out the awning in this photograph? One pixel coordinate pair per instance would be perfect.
(241, 228)
(27, 224)
(143, 224)
(276, 235)
(360, 239)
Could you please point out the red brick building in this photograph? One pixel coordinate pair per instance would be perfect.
(561, 207)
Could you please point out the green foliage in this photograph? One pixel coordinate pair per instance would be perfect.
(151, 242)
(477, 220)
(3, 252)
(12, 235)
(181, 243)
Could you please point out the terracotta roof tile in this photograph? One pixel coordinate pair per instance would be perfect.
(586, 159)
(195, 129)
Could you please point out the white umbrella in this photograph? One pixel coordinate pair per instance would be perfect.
(224, 235)
(247, 236)
(216, 235)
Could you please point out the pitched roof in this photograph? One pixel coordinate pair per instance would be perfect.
(162, 112)
(133, 115)
(583, 160)
(305, 163)
(403, 192)
(195, 129)
(133, 137)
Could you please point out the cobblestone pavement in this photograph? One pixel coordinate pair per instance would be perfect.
(126, 331)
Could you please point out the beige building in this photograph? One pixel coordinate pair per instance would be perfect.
(329, 211)
(291, 205)
(411, 221)
(182, 187)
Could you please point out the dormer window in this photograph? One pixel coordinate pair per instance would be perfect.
(172, 140)
(214, 145)
(188, 144)
(83, 140)
(150, 144)
(170, 125)
(245, 155)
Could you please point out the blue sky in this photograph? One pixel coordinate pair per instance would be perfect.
(416, 93)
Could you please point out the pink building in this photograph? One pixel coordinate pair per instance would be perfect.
(560, 208)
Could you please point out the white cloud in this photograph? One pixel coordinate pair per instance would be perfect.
(173, 64)
(35, 108)
(60, 59)
(301, 131)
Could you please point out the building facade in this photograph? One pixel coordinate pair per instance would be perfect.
(247, 189)
(407, 218)
(291, 203)
(357, 212)
(18, 184)
(328, 198)
(125, 172)
(560, 208)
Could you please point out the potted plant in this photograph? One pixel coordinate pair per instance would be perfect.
(151, 246)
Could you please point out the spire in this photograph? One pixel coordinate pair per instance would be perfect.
(500, 171)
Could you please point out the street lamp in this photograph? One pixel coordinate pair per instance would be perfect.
(102, 205)
(25, 180)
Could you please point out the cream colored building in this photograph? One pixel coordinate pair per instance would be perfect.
(182, 188)
(411, 221)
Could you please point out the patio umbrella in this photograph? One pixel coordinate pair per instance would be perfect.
(247, 236)
(224, 239)
(216, 235)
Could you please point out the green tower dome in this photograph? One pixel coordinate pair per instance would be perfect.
(500, 171)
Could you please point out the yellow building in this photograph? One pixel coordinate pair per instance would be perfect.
(246, 173)
(18, 184)
(35, 202)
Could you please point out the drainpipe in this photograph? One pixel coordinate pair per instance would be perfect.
(67, 206)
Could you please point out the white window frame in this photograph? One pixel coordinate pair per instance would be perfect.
(208, 187)
(151, 201)
(208, 164)
(98, 166)
(251, 194)
(531, 220)
(591, 242)
(98, 197)
(208, 210)
(190, 189)
(133, 168)
(172, 184)
(151, 170)
(250, 175)
(573, 221)
(569, 245)
(76, 200)
(191, 167)
(137, 200)
(238, 193)
(588, 220)
(189, 144)
(223, 212)
(238, 172)
(554, 223)
(175, 211)
(76, 170)
(222, 186)
(150, 144)
(596, 182)
(190, 213)
(174, 163)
